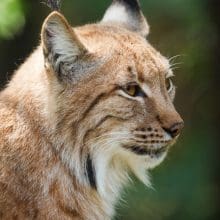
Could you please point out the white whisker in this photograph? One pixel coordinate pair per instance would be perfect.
(175, 64)
(175, 68)
(174, 57)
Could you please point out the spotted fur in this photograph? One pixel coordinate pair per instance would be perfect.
(71, 132)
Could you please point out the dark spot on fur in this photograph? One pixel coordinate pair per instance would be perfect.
(15, 217)
(141, 77)
(91, 172)
(56, 56)
(129, 69)
(68, 210)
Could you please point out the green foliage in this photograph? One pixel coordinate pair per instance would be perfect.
(11, 17)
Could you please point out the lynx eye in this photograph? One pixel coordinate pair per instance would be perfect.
(134, 90)
(169, 85)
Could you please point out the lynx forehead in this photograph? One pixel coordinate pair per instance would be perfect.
(89, 106)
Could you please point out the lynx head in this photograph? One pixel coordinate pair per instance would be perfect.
(111, 95)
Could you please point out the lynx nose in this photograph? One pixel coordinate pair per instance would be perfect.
(175, 129)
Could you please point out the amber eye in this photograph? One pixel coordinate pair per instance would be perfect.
(169, 84)
(134, 90)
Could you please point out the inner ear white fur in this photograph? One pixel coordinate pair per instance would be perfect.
(60, 36)
(131, 18)
(60, 43)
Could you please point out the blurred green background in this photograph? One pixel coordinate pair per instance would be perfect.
(186, 185)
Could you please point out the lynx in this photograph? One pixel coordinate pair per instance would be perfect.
(91, 105)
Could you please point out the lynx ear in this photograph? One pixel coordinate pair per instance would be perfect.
(128, 14)
(62, 48)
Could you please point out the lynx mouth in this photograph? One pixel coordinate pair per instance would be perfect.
(152, 152)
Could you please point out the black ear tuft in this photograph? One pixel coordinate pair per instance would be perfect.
(55, 5)
(128, 14)
(133, 4)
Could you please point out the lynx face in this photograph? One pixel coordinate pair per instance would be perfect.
(111, 93)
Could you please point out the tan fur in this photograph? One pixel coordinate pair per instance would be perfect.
(48, 127)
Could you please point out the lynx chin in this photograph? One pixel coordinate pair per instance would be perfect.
(89, 106)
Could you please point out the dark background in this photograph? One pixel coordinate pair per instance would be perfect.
(186, 185)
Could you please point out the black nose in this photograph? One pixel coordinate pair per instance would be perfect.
(175, 129)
